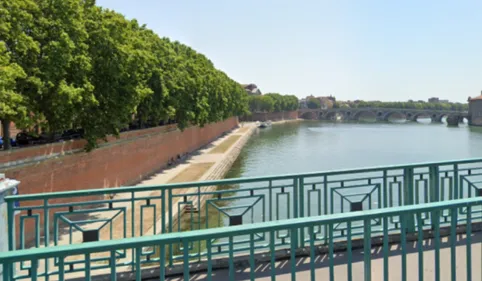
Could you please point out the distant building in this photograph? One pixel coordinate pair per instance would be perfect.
(326, 102)
(252, 89)
(303, 104)
(475, 111)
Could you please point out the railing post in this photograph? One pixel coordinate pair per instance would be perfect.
(296, 204)
(408, 196)
(434, 190)
(302, 210)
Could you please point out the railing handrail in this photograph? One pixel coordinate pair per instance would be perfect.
(99, 191)
(212, 233)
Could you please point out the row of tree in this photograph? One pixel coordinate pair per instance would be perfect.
(71, 64)
(404, 105)
(273, 102)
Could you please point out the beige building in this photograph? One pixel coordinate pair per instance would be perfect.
(475, 111)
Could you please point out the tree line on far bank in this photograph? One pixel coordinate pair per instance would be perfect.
(71, 64)
(273, 102)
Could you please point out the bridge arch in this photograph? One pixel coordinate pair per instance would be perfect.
(391, 113)
(308, 115)
(426, 114)
(334, 115)
(367, 113)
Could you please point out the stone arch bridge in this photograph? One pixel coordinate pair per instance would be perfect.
(381, 114)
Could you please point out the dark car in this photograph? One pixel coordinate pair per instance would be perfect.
(26, 138)
(73, 134)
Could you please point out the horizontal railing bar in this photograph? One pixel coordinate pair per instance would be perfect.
(91, 192)
(94, 202)
(196, 235)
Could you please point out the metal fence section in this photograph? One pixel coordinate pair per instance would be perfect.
(102, 257)
(83, 216)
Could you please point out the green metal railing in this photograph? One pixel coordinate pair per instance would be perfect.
(107, 214)
(357, 249)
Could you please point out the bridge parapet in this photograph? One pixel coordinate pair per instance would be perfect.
(380, 114)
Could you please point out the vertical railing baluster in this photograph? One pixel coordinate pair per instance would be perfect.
(162, 262)
(169, 202)
(273, 254)
(251, 257)
(185, 251)
(133, 222)
(270, 198)
(385, 248)
(403, 238)
(232, 273)
(453, 241)
(34, 270)
(367, 236)
(436, 221)
(312, 252)
(112, 265)
(420, 246)
(46, 234)
(456, 181)
(302, 206)
(210, 259)
(385, 189)
(163, 210)
(408, 197)
(61, 268)
(138, 263)
(199, 220)
(296, 205)
(325, 207)
(7, 271)
(349, 252)
(331, 252)
(294, 234)
(468, 245)
(11, 237)
(88, 276)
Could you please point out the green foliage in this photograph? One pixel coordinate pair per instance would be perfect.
(69, 64)
(273, 102)
(313, 103)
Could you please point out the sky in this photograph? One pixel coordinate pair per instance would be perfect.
(388, 50)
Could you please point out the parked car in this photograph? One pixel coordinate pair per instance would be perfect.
(72, 134)
(26, 138)
(12, 142)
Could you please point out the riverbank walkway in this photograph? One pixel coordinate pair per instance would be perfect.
(381, 223)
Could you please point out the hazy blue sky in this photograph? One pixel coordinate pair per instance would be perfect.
(358, 49)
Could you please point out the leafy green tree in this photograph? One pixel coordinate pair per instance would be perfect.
(12, 106)
(313, 103)
(17, 49)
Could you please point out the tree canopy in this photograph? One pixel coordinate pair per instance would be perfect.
(273, 102)
(71, 64)
(313, 103)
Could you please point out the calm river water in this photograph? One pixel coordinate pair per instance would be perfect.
(311, 146)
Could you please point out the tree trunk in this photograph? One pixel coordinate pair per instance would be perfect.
(6, 134)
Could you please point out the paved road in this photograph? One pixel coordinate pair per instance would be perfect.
(322, 270)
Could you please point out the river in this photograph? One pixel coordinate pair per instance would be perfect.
(315, 146)
(310, 146)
